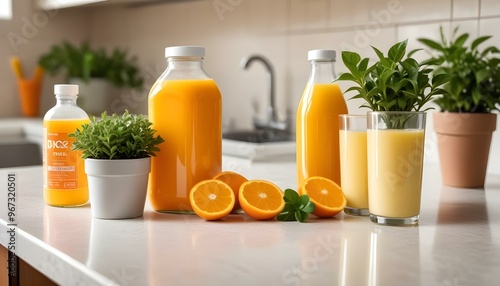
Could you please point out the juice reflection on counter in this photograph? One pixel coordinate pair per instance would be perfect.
(386, 268)
(56, 222)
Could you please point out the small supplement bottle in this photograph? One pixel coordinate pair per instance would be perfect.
(64, 178)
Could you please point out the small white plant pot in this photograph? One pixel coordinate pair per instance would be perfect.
(117, 188)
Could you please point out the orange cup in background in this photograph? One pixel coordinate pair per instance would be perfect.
(29, 93)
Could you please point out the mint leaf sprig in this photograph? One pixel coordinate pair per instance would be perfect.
(297, 208)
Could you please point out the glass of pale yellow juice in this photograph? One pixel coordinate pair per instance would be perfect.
(395, 145)
(353, 163)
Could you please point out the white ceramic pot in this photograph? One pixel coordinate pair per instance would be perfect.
(117, 188)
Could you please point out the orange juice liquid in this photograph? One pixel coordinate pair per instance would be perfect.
(353, 161)
(65, 181)
(395, 160)
(318, 132)
(187, 114)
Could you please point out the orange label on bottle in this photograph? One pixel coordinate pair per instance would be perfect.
(62, 162)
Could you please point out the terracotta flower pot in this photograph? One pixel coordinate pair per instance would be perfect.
(464, 144)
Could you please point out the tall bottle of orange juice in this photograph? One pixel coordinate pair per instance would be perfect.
(65, 182)
(185, 107)
(317, 128)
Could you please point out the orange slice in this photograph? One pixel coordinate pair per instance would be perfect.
(234, 180)
(261, 199)
(212, 199)
(326, 195)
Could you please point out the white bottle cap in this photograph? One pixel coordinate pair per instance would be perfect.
(185, 51)
(66, 89)
(321, 55)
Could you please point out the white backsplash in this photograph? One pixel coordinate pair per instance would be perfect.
(281, 30)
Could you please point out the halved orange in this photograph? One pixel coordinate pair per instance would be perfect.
(326, 195)
(234, 180)
(261, 199)
(212, 199)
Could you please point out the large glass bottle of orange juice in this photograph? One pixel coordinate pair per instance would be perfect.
(317, 128)
(185, 107)
(65, 182)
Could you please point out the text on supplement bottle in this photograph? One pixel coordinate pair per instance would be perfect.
(62, 162)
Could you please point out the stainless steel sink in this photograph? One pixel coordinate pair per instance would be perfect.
(262, 144)
(21, 153)
(20, 142)
(259, 136)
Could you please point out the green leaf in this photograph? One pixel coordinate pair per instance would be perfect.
(289, 207)
(363, 64)
(459, 42)
(309, 207)
(291, 196)
(346, 76)
(350, 58)
(286, 216)
(379, 54)
(351, 61)
(304, 200)
(354, 88)
(397, 52)
(489, 50)
(431, 44)
(385, 76)
(440, 79)
(482, 75)
(296, 207)
(479, 41)
(432, 61)
(410, 54)
(301, 216)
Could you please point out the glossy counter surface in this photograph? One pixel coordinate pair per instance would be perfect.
(456, 243)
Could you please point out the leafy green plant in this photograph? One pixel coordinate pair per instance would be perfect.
(475, 75)
(393, 83)
(297, 208)
(126, 136)
(84, 62)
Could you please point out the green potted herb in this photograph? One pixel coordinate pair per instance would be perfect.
(117, 150)
(466, 122)
(392, 83)
(96, 71)
(396, 88)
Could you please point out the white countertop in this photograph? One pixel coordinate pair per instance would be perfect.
(456, 243)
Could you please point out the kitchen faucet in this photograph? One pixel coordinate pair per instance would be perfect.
(274, 122)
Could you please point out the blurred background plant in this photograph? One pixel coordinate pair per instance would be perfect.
(84, 62)
(474, 84)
